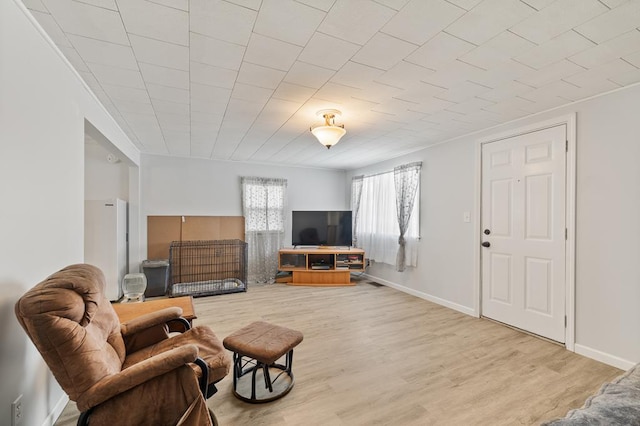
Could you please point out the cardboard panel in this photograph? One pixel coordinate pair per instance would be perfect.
(161, 230)
(232, 227)
(213, 228)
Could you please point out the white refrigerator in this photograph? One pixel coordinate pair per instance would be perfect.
(105, 241)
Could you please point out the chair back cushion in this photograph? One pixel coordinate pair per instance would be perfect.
(74, 327)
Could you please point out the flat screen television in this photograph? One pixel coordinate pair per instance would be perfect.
(321, 228)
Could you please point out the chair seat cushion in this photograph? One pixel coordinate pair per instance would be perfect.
(209, 348)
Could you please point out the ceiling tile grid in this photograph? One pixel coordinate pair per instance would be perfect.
(242, 80)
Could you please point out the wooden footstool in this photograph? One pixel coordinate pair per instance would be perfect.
(262, 344)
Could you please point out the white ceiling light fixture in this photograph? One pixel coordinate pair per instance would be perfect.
(329, 133)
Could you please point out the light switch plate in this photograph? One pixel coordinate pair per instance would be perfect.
(466, 217)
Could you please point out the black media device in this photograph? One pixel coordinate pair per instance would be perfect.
(321, 228)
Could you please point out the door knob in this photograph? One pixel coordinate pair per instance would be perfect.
(486, 244)
(487, 232)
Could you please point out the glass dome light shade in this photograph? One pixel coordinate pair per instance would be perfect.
(328, 135)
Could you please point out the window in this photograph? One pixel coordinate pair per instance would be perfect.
(263, 202)
(377, 230)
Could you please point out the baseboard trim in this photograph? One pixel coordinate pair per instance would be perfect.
(57, 410)
(451, 305)
(595, 354)
(612, 360)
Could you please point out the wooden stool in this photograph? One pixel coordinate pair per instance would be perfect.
(262, 344)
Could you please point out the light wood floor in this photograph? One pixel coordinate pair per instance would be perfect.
(374, 355)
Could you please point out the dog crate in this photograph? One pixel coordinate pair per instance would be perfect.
(203, 268)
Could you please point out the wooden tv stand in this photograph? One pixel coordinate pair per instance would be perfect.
(324, 266)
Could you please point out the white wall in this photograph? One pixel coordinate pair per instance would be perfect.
(104, 180)
(607, 234)
(445, 255)
(180, 186)
(43, 107)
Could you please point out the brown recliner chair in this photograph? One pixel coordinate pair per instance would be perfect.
(134, 373)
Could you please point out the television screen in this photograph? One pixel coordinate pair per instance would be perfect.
(321, 228)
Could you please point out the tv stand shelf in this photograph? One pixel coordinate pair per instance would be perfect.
(326, 266)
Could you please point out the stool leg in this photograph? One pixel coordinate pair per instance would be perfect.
(253, 380)
(237, 359)
(290, 361)
(267, 377)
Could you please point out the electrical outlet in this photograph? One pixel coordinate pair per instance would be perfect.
(17, 412)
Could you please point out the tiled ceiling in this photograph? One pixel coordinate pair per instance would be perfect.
(242, 80)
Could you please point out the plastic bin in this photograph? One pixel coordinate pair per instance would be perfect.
(157, 273)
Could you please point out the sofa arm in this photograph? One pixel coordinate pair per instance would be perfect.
(149, 320)
(137, 374)
(152, 328)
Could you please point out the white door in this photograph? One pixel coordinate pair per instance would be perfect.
(523, 231)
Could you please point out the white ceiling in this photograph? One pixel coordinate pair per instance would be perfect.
(242, 80)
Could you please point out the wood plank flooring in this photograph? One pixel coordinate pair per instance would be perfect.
(372, 355)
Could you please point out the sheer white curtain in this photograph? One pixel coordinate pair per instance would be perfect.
(377, 230)
(263, 203)
(407, 180)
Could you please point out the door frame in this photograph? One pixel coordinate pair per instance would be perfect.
(569, 121)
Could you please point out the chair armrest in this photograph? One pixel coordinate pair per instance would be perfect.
(137, 374)
(151, 319)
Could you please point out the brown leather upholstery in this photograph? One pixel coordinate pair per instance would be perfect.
(263, 341)
(132, 373)
(203, 338)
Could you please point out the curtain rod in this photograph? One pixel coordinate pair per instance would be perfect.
(390, 171)
(374, 174)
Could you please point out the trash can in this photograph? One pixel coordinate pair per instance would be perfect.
(157, 273)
